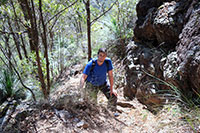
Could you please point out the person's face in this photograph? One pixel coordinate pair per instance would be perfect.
(101, 56)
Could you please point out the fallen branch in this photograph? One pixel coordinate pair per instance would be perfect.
(125, 105)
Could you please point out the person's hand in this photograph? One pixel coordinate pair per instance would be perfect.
(113, 92)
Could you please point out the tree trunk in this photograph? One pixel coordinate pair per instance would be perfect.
(44, 40)
(88, 29)
(29, 15)
(16, 39)
(8, 51)
(23, 46)
(18, 29)
(51, 41)
(50, 49)
(40, 73)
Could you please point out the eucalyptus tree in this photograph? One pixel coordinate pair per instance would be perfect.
(39, 29)
(31, 22)
(94, 12)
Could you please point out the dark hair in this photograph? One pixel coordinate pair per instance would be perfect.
(103, 50)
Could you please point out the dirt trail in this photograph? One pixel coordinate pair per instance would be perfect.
(66, 113)
(132, 116)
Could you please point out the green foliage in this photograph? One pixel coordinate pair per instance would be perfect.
(7, 82)
(10, 85)
(66, 52)
(175, 92)
(69, 30)
(26, 66)
(3, 2)
(116, 27)
(187, 108)
(123, 17)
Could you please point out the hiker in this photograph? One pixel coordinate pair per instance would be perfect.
(95, 76)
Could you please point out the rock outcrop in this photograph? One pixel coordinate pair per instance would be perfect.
(188, 51)
(142, 65)
(165, 53)
(160, 21)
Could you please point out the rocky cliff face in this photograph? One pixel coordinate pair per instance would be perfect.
(165, 53)
(188, 50)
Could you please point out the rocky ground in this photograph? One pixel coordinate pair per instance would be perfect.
(66, 113)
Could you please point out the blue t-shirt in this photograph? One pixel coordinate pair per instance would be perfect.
(98, 76)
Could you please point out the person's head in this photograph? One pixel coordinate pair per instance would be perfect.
(102, 54)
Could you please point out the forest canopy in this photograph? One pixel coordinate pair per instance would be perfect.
(41, 38)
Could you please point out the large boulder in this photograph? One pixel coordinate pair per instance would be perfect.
(160, 21)
(142, 74)
(165, 54)
(188, 51)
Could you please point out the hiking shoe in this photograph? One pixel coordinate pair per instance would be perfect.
(116, 114)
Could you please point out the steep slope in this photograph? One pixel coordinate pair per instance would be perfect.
(67, 113)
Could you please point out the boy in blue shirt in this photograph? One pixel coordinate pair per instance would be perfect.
(95, 76)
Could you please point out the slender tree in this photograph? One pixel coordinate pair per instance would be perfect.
(37, 30)
(15, 38)
(17, 25)
(87, 7)
(44, 40)
(91, 22)
(28, 9)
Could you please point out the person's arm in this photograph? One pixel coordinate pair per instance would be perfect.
(83, 78)
(110, 76)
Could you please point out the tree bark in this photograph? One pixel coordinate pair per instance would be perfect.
(44, 40)
(29, 14)
(18, 28)
(87, 6)
(23, 46)
(40, 73)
